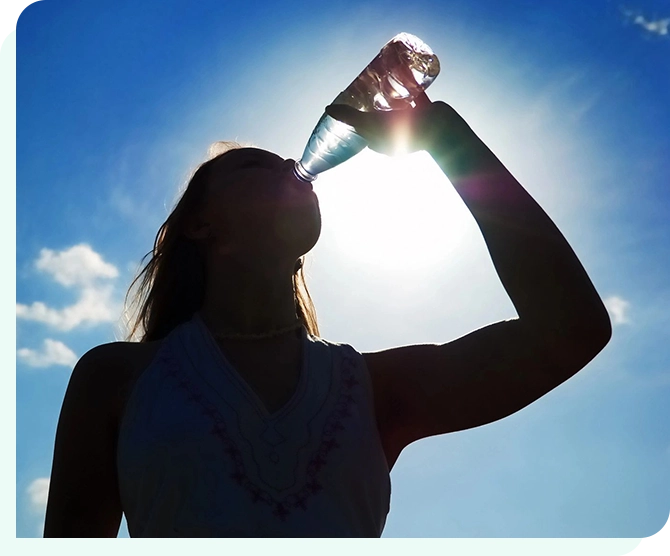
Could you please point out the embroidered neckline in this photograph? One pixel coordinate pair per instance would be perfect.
(238, 379)
(281, 507)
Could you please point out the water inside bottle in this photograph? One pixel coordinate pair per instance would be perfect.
(332, 142)
(401, 71)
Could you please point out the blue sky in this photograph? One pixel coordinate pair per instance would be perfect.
(118, 102)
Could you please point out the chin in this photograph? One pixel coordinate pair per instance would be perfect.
(309, 238)
(299, 235)
(305, 227)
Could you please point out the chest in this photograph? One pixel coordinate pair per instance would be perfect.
(273, 375)
(193, 427)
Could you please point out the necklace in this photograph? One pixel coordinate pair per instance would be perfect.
(272, 333)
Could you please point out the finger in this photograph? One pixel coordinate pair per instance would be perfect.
(422, 100)
(344, 113)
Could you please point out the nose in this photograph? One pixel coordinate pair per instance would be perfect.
(287, 166)
(286, 169)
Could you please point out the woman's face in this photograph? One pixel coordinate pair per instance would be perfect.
(258, 205)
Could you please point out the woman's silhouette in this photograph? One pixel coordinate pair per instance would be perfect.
(231, 417)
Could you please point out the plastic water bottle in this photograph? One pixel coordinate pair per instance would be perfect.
(402, 70)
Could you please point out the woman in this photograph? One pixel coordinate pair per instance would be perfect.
(231, 417)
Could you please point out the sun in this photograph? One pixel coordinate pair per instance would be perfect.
(397, 214)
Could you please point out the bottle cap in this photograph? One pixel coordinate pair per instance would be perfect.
(301, 173)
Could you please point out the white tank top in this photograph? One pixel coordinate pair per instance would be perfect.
(198, 454)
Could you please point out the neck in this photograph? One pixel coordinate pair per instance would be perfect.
(248, 300)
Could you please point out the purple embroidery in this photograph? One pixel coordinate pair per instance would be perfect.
(333, 425)
(209, 412)
(238, 477)
(315, 465)
(255, 495)
(280, 511)
(299, 501)
(329, 444)
(313, 486)
(350, 382)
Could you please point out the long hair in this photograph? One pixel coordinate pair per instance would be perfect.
(170, 287)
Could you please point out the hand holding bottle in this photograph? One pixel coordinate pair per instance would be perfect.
(402, 70)
(386, 132)
(407, 129)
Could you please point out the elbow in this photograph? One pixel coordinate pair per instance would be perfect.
(605, 331)
(588, 338)
(575, 342)
(599, 329)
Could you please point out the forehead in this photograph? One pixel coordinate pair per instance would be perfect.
(237, 157)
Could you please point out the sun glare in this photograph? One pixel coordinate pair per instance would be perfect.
(399, 214)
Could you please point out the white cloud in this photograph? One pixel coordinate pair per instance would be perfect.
(618, 309)
(53, 353)
(38, 492)
(658, 27)
(78, 265)
(82, 268)
(95, 306)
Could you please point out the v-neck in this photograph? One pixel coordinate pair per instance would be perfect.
(227, 367)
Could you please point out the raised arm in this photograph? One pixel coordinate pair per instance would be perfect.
(493, 372)
(547, 284)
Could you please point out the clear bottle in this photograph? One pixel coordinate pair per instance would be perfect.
(402, 70)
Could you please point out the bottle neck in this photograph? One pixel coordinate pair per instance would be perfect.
(301, 173)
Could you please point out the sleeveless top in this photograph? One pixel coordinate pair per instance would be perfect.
(198, 455)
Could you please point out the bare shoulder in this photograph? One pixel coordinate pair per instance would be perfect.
(118, 361)
(123, 354)
(84, 498)
(111, 370)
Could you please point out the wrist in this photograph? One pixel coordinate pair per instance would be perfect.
(455, 147)
(442, 128)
